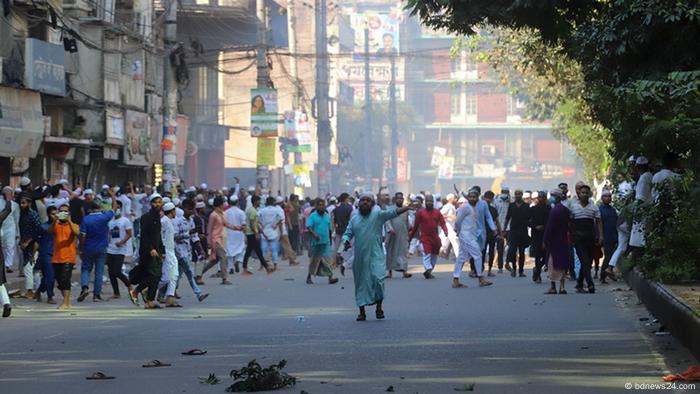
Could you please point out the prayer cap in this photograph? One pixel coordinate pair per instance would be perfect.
(631, 159)
(25, 181)
(62, 182)
(369, 195)
(176, 201)
(150, 199)
(166, 200)
(224, 189)
(555, 192)
(18, 190)
(203, 186)
(233, 198)
(641, 160)
(199, 204)
(211, 201)
(88, 191)
(105, 186)
(526, 195)
(280, 200)
(450, 196)
(606, 192)
(251, 189)
(168, 207)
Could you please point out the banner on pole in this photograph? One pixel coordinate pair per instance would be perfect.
(263, 113)
(296, 128)
(266, 151)
(446, 168)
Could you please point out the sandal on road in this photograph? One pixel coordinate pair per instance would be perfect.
(379, 314)
(194, 352)
(361, 318)
(156, 364)
(99, 376)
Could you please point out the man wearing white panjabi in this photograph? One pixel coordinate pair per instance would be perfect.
(235, 239)
(642, 195)
(449, 212)
(170, 270)
(10, 227)
(466, 226)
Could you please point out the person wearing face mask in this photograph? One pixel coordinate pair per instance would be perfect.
(44, 259)
(120, 247)
(150, 254)
(586, 231)
(65, 250)
(501, 204)
(428, 220)
(518, 218)
(467, 227)
(555, 242)
(539, 213)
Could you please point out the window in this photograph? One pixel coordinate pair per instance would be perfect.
(471, 104)
(456, 103)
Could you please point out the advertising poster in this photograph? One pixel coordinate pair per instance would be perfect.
(263, 113)
(446, 168)
(266, 151)
(297, 129)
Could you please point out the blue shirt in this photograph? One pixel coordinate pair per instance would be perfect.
(321, 225)
(608, 215)
(45, 241)
(96, 230)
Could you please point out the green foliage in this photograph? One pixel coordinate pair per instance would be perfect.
(212, 379)
(672, 232)
(253, 378)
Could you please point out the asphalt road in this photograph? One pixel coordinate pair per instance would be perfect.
(508, 338)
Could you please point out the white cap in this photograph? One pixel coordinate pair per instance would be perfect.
(631, 158)
(211, 201)
(641, 160)
(526, 195)
(151, 198)
(606, 192)
(166, 200)
(233, 198)
(168, 207)
(18, 190)
(105, 186)
(191, 189)
(25, 181)
(450, 196)
(199, 204)
(6, 189)
(176, 201)
(88, 191)
(62, 182)
(280, 200)
(203, 186)
(251, 189)
(224, 189)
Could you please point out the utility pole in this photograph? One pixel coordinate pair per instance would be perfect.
(368, 119)
(323, 122)
(296, 93)
(262, 173)
(169, 99)
(394, 127)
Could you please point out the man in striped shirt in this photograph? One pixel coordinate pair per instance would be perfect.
(586, 231)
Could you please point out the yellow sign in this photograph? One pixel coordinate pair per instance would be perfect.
(301, 169)
(266, 151)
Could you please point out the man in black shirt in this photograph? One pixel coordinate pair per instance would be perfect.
(341, 219)
(151, 252)
(518, 217)
(538, 220)
(490, 236)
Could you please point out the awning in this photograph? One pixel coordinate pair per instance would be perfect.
(21, 122)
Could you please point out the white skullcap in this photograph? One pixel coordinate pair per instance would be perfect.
(606, 192)
(105, 186)
(62, 182)
(412, 197)
(450, 196)
(211, 201)
(88, 191)
(116, 189)
(251, 189)
(168, 207)
(233, 198)
(203, 186)
(7, 189)
(199, 204)
(641, 160)
(631, 158)
(191, 189)
(369, 195)
(224, 189)
(166, 200)
(18, 190)
(25, 181)
(176, 201)
(279, 200)
(526, 195)
(555, 192)
(151, 198)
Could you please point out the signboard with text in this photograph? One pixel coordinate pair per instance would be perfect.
(263, 113)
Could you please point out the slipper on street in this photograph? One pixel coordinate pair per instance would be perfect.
(99, 376)
(194, 352)
(156, 364)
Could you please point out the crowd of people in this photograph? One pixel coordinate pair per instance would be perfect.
(149, 240)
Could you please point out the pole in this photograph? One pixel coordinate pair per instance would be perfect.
(262, 173)
(394, 126)
(368, 119)
(169, 100)
(322, 103)
(296, 92)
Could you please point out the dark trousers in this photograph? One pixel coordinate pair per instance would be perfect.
(294, 238)
(150, 274)
(490, 250)
(500, 248)
(608, 250)
(114, 268)
(520, 250)
(253, 245)
(584, 251)
(47, 275)
(539, 254)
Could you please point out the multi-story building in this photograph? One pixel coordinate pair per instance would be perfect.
(476, 125)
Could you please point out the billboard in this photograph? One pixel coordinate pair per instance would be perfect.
(263, 113)
(383, 33)
(137, 149)
(296, 126)
(44, 67)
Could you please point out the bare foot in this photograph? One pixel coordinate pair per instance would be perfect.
(457, 285)
(63, 307)
(246, 273)
(483, 282)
